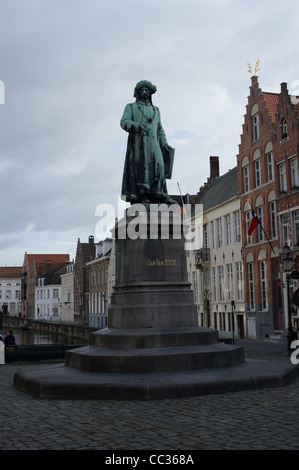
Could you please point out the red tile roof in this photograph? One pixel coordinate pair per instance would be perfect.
(11, 272)
(271, 102)
(48, 258)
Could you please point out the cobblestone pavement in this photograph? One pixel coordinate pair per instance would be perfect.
(261, 419)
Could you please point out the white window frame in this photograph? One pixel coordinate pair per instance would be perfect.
(237, 226)
(258, 174)
(263, 285)
(273, 219)
(294, 172)
(251, 292)
(246, 178)
(270, 166)
(282, 177)
(255, 127)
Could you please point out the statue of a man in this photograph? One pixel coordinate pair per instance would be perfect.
(149, 158)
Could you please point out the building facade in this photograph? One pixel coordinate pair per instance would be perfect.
(268, 180)
(48, 300)
(84, 254)
(67, 294)
(10, 290)
(216, 270)
(97, 272)
(34, 267)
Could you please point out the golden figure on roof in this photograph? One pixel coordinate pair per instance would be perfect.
(256, 68)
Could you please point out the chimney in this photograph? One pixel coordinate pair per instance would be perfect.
(91, 239)
(214, 168)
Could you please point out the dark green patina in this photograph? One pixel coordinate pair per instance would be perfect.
(149, 158)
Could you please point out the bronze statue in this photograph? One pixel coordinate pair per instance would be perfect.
(149, 158)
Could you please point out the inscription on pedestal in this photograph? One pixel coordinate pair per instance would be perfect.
(161, 262)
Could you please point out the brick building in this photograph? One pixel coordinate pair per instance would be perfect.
(267, 164)
(85, 253)
(35, 266)
(97, 273)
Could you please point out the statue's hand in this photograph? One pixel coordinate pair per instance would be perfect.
(144, 130)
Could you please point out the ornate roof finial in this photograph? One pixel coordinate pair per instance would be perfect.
(256, 69)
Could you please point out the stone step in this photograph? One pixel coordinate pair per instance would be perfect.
(117, 338)
(94, 359)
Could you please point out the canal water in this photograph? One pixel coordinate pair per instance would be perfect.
(24, 337)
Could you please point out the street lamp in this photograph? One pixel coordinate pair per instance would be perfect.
(287, 265)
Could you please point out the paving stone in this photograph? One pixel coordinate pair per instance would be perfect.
(254, 419)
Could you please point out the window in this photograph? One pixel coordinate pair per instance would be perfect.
(256, 127)
(237, 224)
(239, 280)
(220, 283)
(270, 166)
(248, 220)
(263, 280)
(258, 178)
(214, 285)
(229, 280)
(260, 214)
(251, 286)
(285, 226)
(213, 235)
(282, 177)
(294, 172)
(228, 235)
(195, 286)
(55, 293)
(296, 227)
(246, 178)
(219, 232)
(8, 294)
(205, 236)
(273, 219)
(284, 129)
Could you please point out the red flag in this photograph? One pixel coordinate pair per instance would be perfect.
(255, 221)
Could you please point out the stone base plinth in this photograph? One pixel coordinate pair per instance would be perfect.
(152, 326)
(157, 350)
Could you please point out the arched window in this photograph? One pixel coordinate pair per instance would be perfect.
(284, 129)
(255, 123)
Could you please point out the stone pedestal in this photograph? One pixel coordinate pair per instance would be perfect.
(151, 288)
(152, 321)
(152, 347)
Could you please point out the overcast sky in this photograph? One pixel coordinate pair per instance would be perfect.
(69, 67)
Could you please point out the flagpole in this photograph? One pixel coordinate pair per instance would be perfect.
(263, 231)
